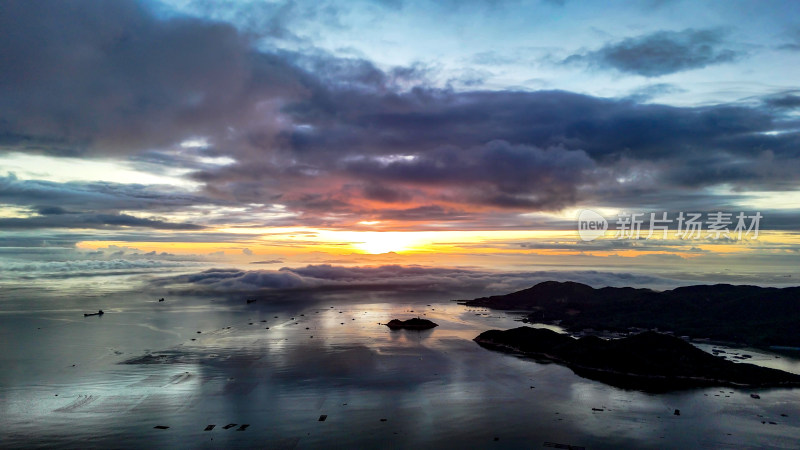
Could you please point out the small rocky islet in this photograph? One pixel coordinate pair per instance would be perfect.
(411, 324)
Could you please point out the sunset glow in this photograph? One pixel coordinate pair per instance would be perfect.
(399, 223)
(227, 144)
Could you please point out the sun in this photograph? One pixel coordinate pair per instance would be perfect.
(385, 241)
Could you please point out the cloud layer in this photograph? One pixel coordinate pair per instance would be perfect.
(84, 77)
(453, 282)
(293, 135)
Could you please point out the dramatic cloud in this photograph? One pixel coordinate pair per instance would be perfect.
(88, 77)
(497, 174)
(662, 53)
(391, 155)
(786, 101)
(295, 135)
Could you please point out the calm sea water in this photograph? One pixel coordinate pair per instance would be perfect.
(69, 381)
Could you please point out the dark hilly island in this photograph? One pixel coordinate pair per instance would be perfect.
(648, 361)
(411, 324)
(750, 315)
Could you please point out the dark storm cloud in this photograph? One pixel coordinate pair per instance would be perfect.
(448, 135)
(511, 150)
(497, 174)
(785, 101)
(87, 77)
(662, 53)
(717, 169)
(353, 122)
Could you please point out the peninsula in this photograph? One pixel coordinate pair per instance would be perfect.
(750, 315)
(646, 361)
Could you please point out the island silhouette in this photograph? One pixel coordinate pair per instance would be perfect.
(411, 324)
(762, 317)
(648, 361)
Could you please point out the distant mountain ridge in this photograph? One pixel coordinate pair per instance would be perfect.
(745, 314)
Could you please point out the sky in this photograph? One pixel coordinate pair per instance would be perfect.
(278, 139)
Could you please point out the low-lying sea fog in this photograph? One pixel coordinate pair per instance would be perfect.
(71, 381)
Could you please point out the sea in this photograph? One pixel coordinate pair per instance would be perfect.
(319, 370)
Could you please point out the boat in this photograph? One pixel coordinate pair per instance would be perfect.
(98, 313)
